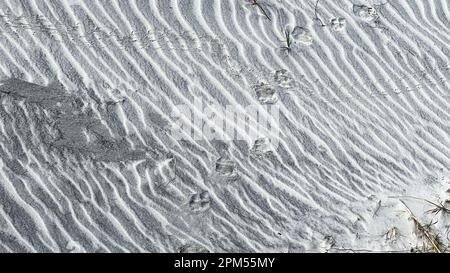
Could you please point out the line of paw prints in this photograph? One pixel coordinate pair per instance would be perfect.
(304, 36)
(268, 92)
(225, 169)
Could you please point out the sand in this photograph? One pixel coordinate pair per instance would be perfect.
(91, 92)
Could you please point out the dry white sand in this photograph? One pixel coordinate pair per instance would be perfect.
(88, 161)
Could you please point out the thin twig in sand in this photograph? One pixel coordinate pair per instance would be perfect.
(165, 185)
(255, 3)
(438, 207)
(377, 208)
(288, 41)
(432, 239)
(316, 17)
(366, 250)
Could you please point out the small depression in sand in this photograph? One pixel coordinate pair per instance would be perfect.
(265, 93)
(199, 202)
(366, 13)
(302, 35)
(338, 24)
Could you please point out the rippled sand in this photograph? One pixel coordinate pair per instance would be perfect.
(88, 161)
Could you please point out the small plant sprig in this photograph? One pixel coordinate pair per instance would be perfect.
(289, 42)
(257, 4)
(425, 230)
(439, 206)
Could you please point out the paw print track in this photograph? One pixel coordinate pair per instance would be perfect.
(261, 147)
(338, 24)
(302, 35)
(283, 78)
(199, 202)
(225, 166)
(365, 12)
(265, 93)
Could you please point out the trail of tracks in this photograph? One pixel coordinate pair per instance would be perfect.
(87, 162)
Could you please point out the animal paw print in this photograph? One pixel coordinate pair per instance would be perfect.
(265, 93)
(365, 12)
(338, 24)
(302, 35)
(283, 78)
(225, 166)
(200, 202)
(261, 147)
